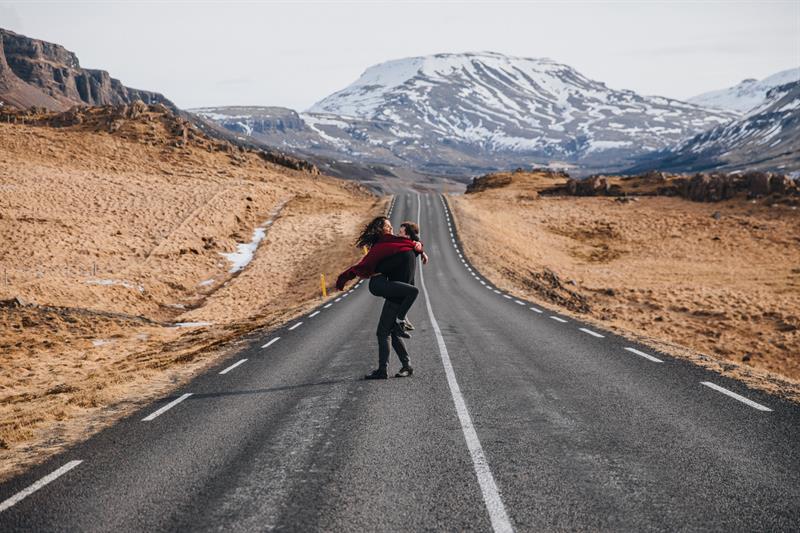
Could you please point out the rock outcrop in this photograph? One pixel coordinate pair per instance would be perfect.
(150, 123)
(504, 179)
(38, 73)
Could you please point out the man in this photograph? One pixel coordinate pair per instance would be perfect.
(395, 283)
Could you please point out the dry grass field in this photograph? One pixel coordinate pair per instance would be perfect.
(717, 282)
(113, 230)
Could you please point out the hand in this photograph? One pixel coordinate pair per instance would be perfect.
(424, 258)
(418, 247)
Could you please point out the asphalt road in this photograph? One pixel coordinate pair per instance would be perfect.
(516, 418)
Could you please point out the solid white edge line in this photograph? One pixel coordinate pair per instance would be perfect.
(645, 355)
(296, 325)
(592, 333)
(167, 407)
(536, 310)
(735, 396)
(312, 315)
(270, 343)
(24, 493)
(559, 319)
(491, 494)
(326, 306)
(234, 365)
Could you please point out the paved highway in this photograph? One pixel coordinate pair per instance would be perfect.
(516, 418)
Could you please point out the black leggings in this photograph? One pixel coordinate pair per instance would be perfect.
(403, 294)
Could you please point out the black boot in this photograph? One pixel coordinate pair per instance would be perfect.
(404, 372)
(377, 374)
(399, 329)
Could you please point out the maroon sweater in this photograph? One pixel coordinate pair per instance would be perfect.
(386, 246)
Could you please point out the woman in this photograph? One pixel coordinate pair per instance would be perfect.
(395, 279)
(390, 265)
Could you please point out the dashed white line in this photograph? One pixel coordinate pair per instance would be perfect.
(234, 365)
(24, 493)
(735, 396)
(495, 290)
(506, 296)
(167, 407)
(491, 494)
(270, 343)
(326, 306)
(592, 333)
(482, 282)
(338, 299)
(536, 310)
(312, 315)
(296, 326)
(557, 318)
(645, 355)
(520, 302)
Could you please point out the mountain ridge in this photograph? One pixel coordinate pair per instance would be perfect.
(766, 138)
(39, 73)
(461, 114)
(747, 94)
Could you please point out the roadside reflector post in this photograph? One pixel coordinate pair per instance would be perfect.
(322, 285)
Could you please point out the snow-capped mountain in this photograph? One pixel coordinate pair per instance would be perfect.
(746, 95)
(767, 138)
(465, 113)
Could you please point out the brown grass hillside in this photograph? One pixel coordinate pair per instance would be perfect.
(112, 222)
(718, 282)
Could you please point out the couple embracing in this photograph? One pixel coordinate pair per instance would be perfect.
(390, 265)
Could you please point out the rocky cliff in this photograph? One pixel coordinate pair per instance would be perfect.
(38, 73)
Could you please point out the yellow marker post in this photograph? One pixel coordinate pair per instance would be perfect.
(366, 250)
(322, 285)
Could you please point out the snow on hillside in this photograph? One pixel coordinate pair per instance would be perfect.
(500, 102)
(746, 95)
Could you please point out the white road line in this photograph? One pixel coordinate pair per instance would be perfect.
(270, 343)
(520, 302)
(338, 299)
(24, 493)
(506, 296)
(645, 355)
(535, 309)
(167, 407)
(296, 326)
(234, 365)
(312, 315)
(592, 333)
(326, 306)
(557, 318)
(495, 290)
(482, 282)
(735, 396)
(491, 494)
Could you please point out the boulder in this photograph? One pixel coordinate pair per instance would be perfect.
(591, 186)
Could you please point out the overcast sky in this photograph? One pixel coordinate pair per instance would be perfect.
(294, 53)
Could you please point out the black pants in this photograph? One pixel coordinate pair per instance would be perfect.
(403, 294)
(385, 327)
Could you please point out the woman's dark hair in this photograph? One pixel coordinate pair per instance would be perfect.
(371, 232)
(412, 229)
